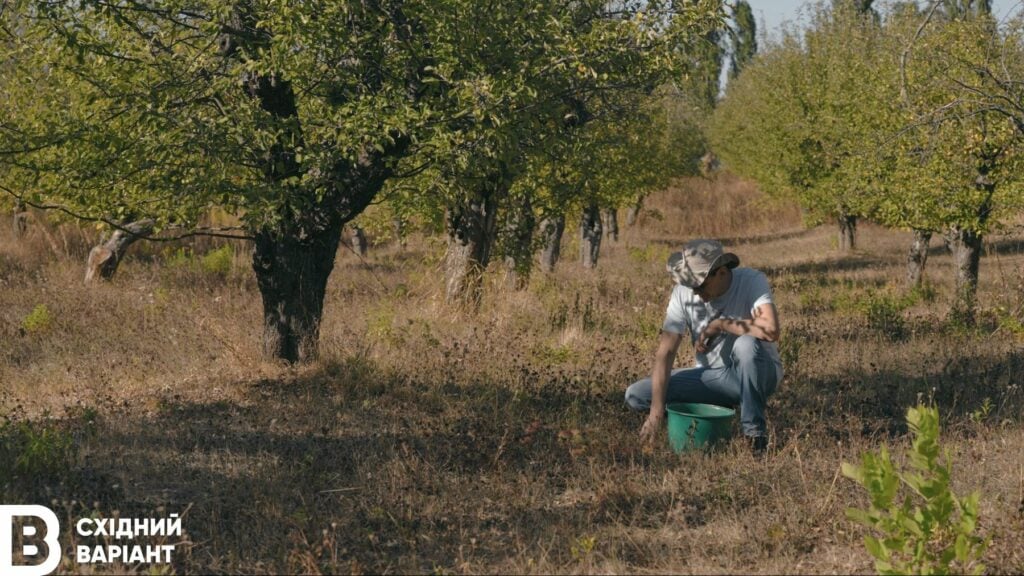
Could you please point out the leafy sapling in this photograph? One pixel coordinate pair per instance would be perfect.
(930, 530)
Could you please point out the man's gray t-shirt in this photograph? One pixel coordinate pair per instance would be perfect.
(688, 313)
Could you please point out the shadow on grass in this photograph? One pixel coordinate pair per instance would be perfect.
(739, 241)
(849, 263)
(1001, 246)
(348, 468)
(871, 403)
(352, 468)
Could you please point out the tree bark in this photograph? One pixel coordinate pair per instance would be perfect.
(292, 263)
(358, 241)
(398, 228)
(470, 229)
(517, 243)
(847, 232)
(917, 257)
(708, 164)
(20, 219)
(966, 247)
(590, 236)
(634, 211)
(552, 229)
(104, 258)
(610, 220)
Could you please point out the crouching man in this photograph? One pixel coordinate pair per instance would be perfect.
(734, 328)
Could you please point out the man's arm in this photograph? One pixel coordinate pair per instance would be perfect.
(763, 326)
(668, 345)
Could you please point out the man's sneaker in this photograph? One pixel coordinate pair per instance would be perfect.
(758, 445)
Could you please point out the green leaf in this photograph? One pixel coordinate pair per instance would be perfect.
(855, 473)
(962, 548)
(876, 548)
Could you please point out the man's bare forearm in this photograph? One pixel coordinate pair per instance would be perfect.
(763, 326)
(668, 345)
(758, 328)
(659, 381)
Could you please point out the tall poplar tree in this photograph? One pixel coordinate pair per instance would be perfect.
(744, 37)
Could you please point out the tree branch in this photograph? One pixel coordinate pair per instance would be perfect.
(219, 232)
(906, 51)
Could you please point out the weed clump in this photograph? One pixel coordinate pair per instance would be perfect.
(34, 450)
(38, 320)
(218, 261)
(884, 313)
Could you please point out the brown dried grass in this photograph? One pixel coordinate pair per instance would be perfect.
(427, 440)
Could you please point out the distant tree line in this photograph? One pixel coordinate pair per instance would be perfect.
(911, 118)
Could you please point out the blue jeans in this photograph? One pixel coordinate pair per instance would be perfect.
(748, 378)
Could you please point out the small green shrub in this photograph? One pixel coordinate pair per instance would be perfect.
(553, 354)
(845, 298)
(33, 450)
(926, 292)
(380, 326)
(1012, 325)
(38, 319)
(180, 258)
(981, 414)
(218, 261)
(813, 299)
(884, 313)
(935, 535)
(819, 294)
(645, 254)
(789, 350)
(583, 547)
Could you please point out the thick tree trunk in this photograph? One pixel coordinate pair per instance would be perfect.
(471, 229)
(917, 257)
(20, 219)
(610, 220)
(105, 257)
(358, 241)
(398, 228)
(20, 224)
(292, 265)
(551, 229)
(708, 164)
(590, 236)
(517, 243)
(294, 258)
(966, 247)
(634, 211)
(847, 232)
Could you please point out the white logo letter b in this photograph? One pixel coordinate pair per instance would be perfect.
(7, 516)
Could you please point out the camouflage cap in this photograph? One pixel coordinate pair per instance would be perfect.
(691, 266)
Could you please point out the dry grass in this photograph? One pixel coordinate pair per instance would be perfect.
(433, 441)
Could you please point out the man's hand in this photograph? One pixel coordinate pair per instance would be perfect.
(714, 328)
(651, 427)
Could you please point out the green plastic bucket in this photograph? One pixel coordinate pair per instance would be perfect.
(692, 426)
